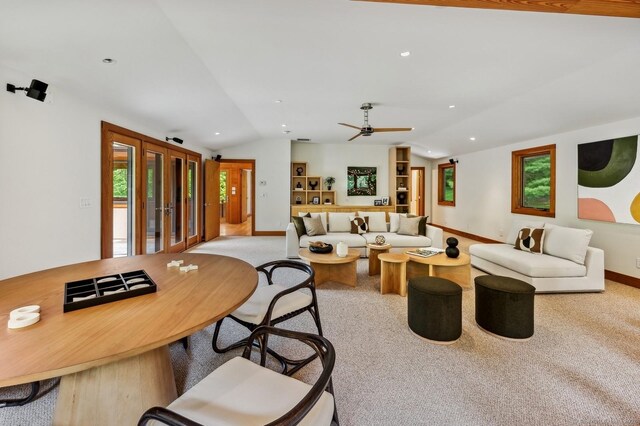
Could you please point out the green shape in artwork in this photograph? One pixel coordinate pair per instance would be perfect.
(623, 157)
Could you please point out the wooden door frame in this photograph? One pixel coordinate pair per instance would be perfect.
(253, 188)
(422, 184)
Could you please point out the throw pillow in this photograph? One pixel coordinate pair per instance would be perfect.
(422, 226)
(322, 216)
(299, 225)
(340, 222)
(530, 239)
(359, 225)
(408, 225)
(377, 221)
(517, 225)
(567, 243)
(394, 221)
(314, 226)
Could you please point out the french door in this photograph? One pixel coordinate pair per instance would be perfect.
(150, 196)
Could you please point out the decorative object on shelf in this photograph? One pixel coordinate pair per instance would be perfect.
(298, 185)
(402, 187)
(313, 185)
(401, 198)
(342, 249)
(452, 249)
(380, 240)
(400, 169)
(361, 180)
(315, 200)
(298, 200)
(327, 201)
(377, 202)
(299, 171)
(385, 201)
(329, 181)
(320, 247)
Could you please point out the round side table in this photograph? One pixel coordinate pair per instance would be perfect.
(393, 275)
(376, 250)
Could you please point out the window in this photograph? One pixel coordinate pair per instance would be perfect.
(447, 184)
(533, 181)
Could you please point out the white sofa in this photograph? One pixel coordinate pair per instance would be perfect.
(433, 237)
(567, 263)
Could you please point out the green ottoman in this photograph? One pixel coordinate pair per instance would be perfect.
(434, 307)
(504, 306)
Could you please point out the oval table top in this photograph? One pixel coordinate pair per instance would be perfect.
(329, 258)
(63, 343)
(441, 259)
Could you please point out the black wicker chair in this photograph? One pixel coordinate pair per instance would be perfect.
(273, 304)
(209, 401)
(17, 402)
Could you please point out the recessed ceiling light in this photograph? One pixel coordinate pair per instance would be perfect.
(283, 125)
(472, 138)
(286, 132)
(216, 133)
(413, 128)
(405, 54)
(452, 106)
(278, 101)
(109, 61)
(429, 152)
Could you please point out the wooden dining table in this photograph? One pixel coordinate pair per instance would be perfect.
(114, 358)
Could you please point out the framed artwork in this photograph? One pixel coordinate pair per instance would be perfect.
(385, 201)
(609, 180)
(361, 180)
(377, 202)
(315, 200)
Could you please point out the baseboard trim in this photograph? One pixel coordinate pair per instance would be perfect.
(609, 275)
(269, 233)
(466, 234)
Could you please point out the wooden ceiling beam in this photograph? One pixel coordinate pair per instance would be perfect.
(617, 8)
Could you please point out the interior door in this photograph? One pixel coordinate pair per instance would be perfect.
(193, 200)
(154, 189)
(176, 202)
(244, 196)
(211, 200)
(417, 191)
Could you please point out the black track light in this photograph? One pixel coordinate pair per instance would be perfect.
(176, 140)
(452, 161)
(217, 157)
(37, 90)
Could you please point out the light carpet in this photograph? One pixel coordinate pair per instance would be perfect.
(582, 366)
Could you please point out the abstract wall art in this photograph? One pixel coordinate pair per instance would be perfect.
(361, 180)
(609, 180)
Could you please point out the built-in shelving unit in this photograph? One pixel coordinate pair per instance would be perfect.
(400, 178)
(304, 188)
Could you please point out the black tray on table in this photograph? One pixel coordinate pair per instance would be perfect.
(98, 286)
(328, 248)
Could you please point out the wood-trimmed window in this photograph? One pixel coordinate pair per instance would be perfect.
(447, 184)
(533, 181)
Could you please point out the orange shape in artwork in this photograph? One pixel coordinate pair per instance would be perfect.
(592, 208)
(635, 208)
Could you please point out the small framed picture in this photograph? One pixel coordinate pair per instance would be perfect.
(385, 201)
(315, 200)
(377, 202)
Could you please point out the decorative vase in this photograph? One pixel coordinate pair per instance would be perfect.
(452, 249)
(313, 185)
(380, 240)
(342, 249)
(299, 170)
(299, 185)
(329, 188)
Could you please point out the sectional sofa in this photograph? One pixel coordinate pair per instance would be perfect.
(338, 228)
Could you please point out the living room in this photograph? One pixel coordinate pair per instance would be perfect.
(538, 79)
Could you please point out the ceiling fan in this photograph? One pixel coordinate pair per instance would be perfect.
(367, 130)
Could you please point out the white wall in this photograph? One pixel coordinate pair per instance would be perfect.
(483, 195)
(49, 159)
(333, 159)
(273, 158)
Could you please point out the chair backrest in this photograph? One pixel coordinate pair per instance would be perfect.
(270, 267)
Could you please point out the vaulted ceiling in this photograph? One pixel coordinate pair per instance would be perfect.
(195, 68)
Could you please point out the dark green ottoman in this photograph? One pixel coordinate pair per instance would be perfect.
(504, 306)
(434, 308)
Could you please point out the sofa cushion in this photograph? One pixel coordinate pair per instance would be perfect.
(394, 221)
(352, 240)
(313, 225)
(398, 240)
(298, 223)
(377, 221)
(321, 215)
(530, 239)
(359, 225)
(409, 226)
(517, 225)
(339, 222)
(535, 266)
(567, 243)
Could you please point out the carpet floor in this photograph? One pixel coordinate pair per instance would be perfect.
(581, 367)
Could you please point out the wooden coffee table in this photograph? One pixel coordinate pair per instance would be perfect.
(457, 269)
(330, 267)
(374, 251)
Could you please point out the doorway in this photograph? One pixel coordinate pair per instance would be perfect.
(416, 204)
(237, 197)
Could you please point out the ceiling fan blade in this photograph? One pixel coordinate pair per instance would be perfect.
(354, 137)
(349, 125)
(392, 129)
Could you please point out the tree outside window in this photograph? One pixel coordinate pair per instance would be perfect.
(533, 181)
